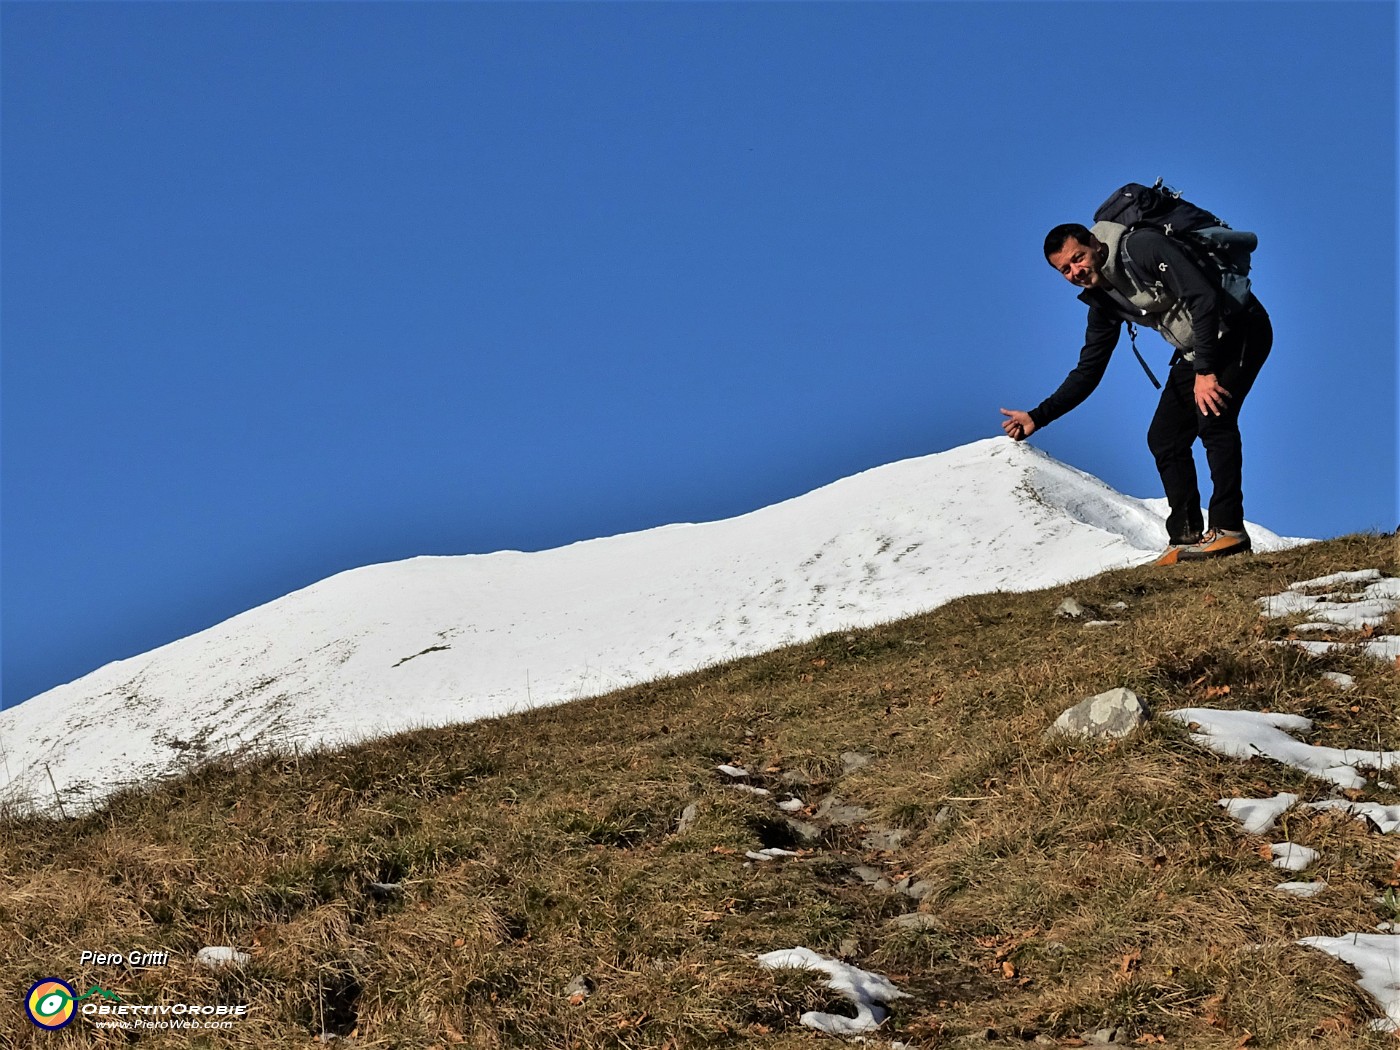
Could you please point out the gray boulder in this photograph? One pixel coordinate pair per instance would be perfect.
(1108, 716)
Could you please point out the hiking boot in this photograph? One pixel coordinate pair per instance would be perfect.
(1174, 549)
(1217, 543)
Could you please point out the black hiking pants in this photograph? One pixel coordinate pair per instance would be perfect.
(1178, 423)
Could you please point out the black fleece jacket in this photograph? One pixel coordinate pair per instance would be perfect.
(1158, 257)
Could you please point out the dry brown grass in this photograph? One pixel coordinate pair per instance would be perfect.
(1075, 886)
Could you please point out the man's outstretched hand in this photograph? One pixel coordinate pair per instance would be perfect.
(1018, 425)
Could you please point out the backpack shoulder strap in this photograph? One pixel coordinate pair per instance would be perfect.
(1135, 270)
(1132, 338)
(1126, 312)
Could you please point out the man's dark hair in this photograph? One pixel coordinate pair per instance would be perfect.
(1055, 239)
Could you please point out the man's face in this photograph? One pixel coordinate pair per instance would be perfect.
(1080, 263)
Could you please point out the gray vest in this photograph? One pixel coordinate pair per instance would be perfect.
(1153, 304)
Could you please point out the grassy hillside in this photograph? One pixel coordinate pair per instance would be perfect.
(1068, 887)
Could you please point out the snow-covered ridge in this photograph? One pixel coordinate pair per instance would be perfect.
(437, 640)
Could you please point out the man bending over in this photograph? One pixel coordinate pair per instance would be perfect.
(1146, 278)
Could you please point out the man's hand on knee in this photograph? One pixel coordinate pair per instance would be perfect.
(1210, 395)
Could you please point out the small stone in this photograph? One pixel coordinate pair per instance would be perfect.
(688, 817)
(1069, 609)
(1119, 606)
(943, 816)
(853, 760)
(805, 833)
(849, 947)
(1110, 716)
(883, 839)
(866, 873)
(216, 958)
(918, 890)
(834, 811)
(385, 890)
(1102, 1037)
(579, 989)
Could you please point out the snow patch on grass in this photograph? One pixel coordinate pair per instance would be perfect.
(1258, 814)
(1376, 956)
(867, 990)
(1252, 734)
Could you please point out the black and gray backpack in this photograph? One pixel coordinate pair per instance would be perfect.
(1209, 240)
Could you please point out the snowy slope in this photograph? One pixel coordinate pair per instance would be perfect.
(436, 640)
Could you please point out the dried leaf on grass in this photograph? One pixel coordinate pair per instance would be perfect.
(453, 1033)
(1341, 1023)
(1212, 1015)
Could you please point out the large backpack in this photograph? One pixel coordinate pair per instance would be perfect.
(1210, 241)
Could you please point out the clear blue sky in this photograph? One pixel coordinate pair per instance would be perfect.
(293, 288)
